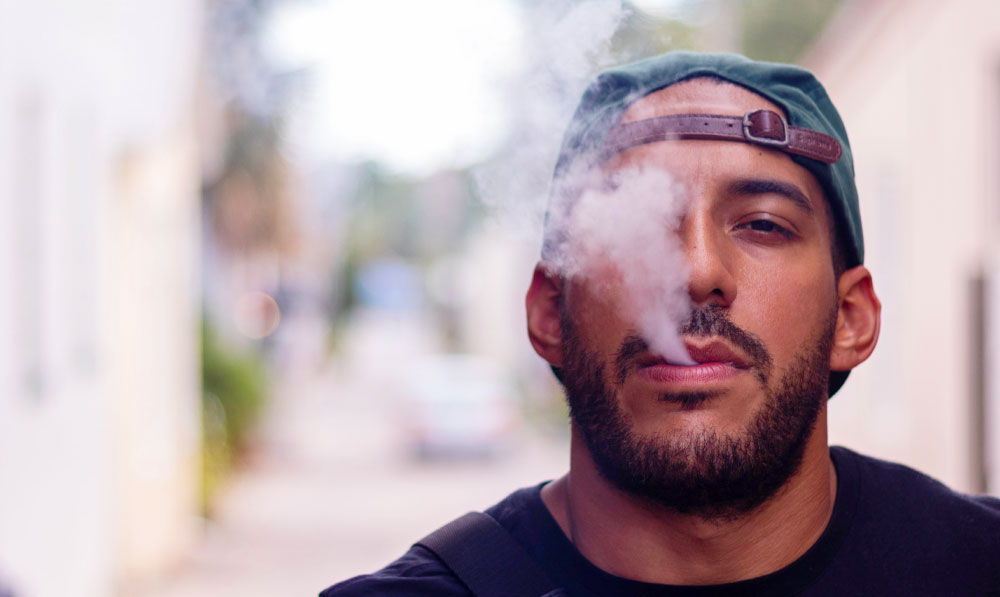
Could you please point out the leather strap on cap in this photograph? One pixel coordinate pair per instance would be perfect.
(760, 127)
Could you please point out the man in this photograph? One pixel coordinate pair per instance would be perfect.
(712, 476)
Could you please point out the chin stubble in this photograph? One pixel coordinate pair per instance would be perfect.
(699, 472)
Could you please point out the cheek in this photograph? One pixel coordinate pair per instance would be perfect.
(595, 306)
(789, 305)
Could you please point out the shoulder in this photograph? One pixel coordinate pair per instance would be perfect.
(908, 534)
(917, 510)
(419, 572)
(905, 492)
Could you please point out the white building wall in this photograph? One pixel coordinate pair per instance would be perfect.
(98, 309)
(916, 83)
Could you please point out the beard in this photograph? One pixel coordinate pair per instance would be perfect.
(699, 472)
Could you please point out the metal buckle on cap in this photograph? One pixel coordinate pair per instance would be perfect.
(747, 123)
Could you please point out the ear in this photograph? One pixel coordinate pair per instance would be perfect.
(859, 318)
(542, 305)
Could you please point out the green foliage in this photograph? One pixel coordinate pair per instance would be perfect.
(382, 214)
(782, 30)
(775, 30)
(234, 392)
(642, 34)
(216, 454)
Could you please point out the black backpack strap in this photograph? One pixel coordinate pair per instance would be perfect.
(485, 557)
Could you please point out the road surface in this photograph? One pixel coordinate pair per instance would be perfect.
(329, 493)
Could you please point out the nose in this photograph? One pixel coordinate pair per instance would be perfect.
(708, 258)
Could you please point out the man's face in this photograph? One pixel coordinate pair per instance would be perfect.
(720, 437)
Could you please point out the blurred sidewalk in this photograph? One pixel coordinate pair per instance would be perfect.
(330, 494)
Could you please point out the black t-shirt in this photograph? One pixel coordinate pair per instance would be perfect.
(893, 531)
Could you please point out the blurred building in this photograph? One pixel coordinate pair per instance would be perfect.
(918, 85)
(99, 383)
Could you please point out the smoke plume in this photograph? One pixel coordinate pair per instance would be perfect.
(630, 224)
(620, 235)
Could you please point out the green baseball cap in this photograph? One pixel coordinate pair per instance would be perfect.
(794, 89)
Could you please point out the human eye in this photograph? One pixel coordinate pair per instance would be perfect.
(764, 230)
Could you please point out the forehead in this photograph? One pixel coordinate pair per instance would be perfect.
(724, 162)
(701, 95)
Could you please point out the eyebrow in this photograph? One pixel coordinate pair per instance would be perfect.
(757, 186)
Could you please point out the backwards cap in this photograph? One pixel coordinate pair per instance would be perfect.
(792, 88)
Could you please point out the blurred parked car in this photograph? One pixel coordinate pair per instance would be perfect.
(456, 405)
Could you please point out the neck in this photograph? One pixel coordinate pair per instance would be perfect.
(628, 537)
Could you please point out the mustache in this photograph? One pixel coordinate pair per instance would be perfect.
(710, 321)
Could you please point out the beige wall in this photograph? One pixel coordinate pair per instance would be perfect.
(916, 83)
(151, 347)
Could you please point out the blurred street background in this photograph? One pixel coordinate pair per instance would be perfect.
(263, 265)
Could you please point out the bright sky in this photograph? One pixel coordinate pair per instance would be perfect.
(413, 84)
(416, 85)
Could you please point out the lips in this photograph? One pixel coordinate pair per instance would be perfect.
(715, 361)
(715, 352)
